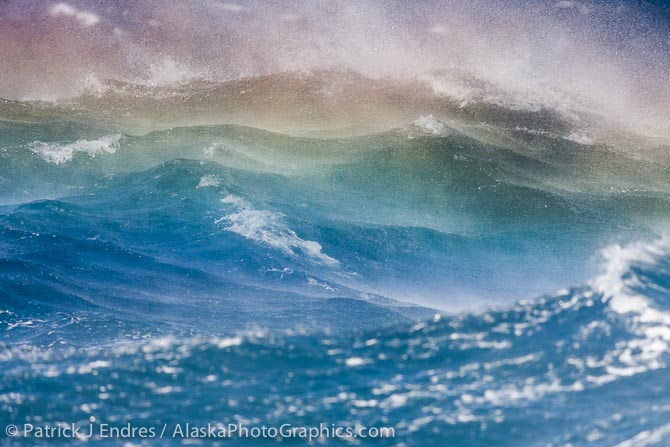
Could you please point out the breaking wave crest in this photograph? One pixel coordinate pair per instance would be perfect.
(59, 153)
(265, 227)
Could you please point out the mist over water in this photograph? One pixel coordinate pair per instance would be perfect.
(603, 57)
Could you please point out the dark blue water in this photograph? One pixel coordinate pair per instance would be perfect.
(574, 368)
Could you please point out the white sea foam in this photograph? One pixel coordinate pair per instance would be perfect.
(266, 227)
(647, 437)
(620, 286)
(429, 124)
(322, 284)
(210, 150)
(649, 322)
(580, 138)
(59, 153)
(206, 181)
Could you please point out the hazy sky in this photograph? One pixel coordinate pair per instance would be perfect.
(616, 53)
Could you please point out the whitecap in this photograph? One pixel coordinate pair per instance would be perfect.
(59, 153)
(431, 125)
(266, 227)
(207, 180)
(622, 286)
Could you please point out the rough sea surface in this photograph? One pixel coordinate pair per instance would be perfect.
(227, 275)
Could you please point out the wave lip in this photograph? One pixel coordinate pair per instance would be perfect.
(626, 281)
(635, 286)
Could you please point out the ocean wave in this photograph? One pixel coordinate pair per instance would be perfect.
(452, 215)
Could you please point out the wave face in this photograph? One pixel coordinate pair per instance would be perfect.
(466, 209)
(517, 376)
(177, 265)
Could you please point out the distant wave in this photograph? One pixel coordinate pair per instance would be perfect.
(337, 104)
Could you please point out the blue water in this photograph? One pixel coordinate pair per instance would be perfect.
(228, 275)
(566, 369)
